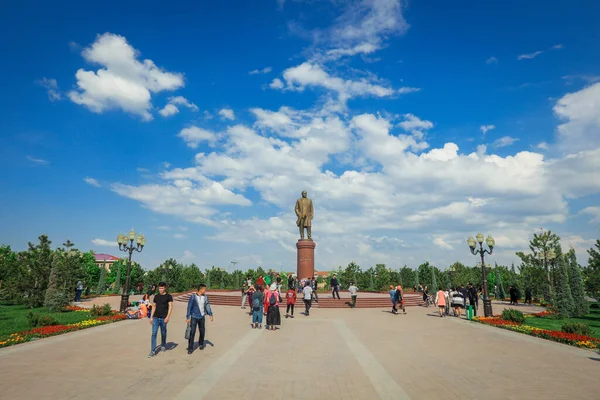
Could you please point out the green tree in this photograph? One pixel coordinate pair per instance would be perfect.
(434, 282)
(382, 280)
(407, 277)
(102, 280)
(500, 284)
(351, 274)
(36, 273)
(577, 288)
(540, 245)
(91, 271)
(417, 280)
(563, 301)
(592, 272)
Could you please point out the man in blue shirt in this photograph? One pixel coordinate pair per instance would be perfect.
(197, 310)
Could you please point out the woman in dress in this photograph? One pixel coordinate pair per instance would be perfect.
(273, 315)
(440, 300)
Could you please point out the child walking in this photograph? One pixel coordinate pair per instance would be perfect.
(291, 302)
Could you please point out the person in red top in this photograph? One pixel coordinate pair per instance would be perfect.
(291, 301)
(260, 281)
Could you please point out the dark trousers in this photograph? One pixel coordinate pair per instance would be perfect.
(353, 301)
(200, 323)
(78, 295)
(307, 304)
(316, 295)
(290, 307)
(334, 291)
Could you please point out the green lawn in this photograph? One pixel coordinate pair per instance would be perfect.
(592, 319)
(14, 318)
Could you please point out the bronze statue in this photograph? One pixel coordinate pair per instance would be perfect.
(305, 213)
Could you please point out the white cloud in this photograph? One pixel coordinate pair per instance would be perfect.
(91, 181)
(407, 89)
(580, 111)
(276, 84)
(313, 75)
(558, 47)
(187, 257)
(51, 86)
(227, 113)
(38, 161)
(362, 27)
(179, 236)
(171, 107)
(265, 70)
(486, 128)
(529, 56)
(491, 60)
(542, 146)
(104, 243)
(594, 212)
(123, 81)
(193, 136)
(415, 125)
(168, 110)
(440, 242)
(505, 141)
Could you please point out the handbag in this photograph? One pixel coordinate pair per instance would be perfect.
(188, 331)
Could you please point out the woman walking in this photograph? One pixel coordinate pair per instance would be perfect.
(458, 302)
(273, 315)
(257, 307)
(440, 300)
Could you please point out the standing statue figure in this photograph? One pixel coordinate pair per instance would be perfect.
(305, 213)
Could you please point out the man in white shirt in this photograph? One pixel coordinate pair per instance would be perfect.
(353, 289)
(307, 297)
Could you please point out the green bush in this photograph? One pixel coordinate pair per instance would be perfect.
(513, 315)
(99, 311)
(37, 320)
(576, 327)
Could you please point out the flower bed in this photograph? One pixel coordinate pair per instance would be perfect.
(557, 336)
(53, 330)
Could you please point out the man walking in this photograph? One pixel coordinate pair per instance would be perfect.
(307, 298)
(472, 292)
(334, 286)
(314, 286)
(161, 312)
(78, 291)
(197, 310)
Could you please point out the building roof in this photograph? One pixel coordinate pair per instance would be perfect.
(101, 257)
(322, 274)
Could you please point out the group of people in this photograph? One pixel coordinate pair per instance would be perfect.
(457, 298)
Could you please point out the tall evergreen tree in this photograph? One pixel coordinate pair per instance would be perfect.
(501, 292)
(592, 272)
(563, 301)
(118, 278)
(102, 280)
(434, 282)
(576, 283)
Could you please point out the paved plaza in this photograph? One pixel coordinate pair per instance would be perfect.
(332, 354)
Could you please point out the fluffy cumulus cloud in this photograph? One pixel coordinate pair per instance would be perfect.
(193, 136)
(123, 81)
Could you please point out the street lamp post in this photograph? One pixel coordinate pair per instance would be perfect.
(487, 302)
(126, 245)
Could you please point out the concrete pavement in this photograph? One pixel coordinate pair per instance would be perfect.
(339, 354)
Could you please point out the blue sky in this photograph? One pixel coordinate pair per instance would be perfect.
(411, 124)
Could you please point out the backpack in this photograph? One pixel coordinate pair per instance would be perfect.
(272, 299)
(256, 303)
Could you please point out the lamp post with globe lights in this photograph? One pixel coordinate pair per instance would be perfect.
(487, 302)
(126, 245)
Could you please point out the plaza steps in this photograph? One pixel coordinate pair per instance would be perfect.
(324, 301)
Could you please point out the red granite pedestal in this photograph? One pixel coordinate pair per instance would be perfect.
(306, 258)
